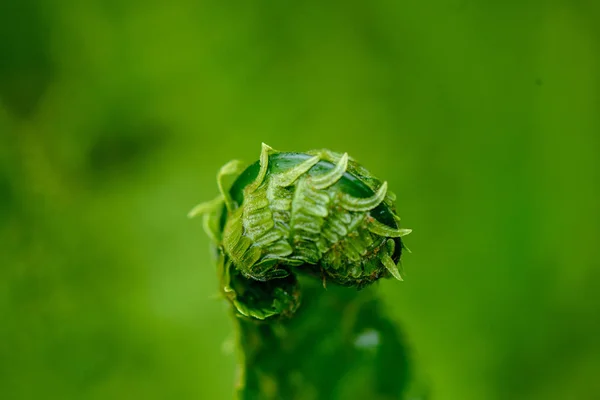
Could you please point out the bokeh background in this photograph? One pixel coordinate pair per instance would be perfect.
(116, 115)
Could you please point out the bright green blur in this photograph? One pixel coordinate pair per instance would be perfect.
(115, 116)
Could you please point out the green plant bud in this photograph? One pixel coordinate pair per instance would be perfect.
(318, 213)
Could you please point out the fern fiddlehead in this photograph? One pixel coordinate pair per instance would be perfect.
(286, 219)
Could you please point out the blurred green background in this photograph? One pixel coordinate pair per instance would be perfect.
(116, 115)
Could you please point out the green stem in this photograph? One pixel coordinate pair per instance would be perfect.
(338, 345)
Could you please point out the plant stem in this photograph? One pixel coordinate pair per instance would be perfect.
(338, 345)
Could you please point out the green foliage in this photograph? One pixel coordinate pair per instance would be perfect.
(317, 214)
(114, 116)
